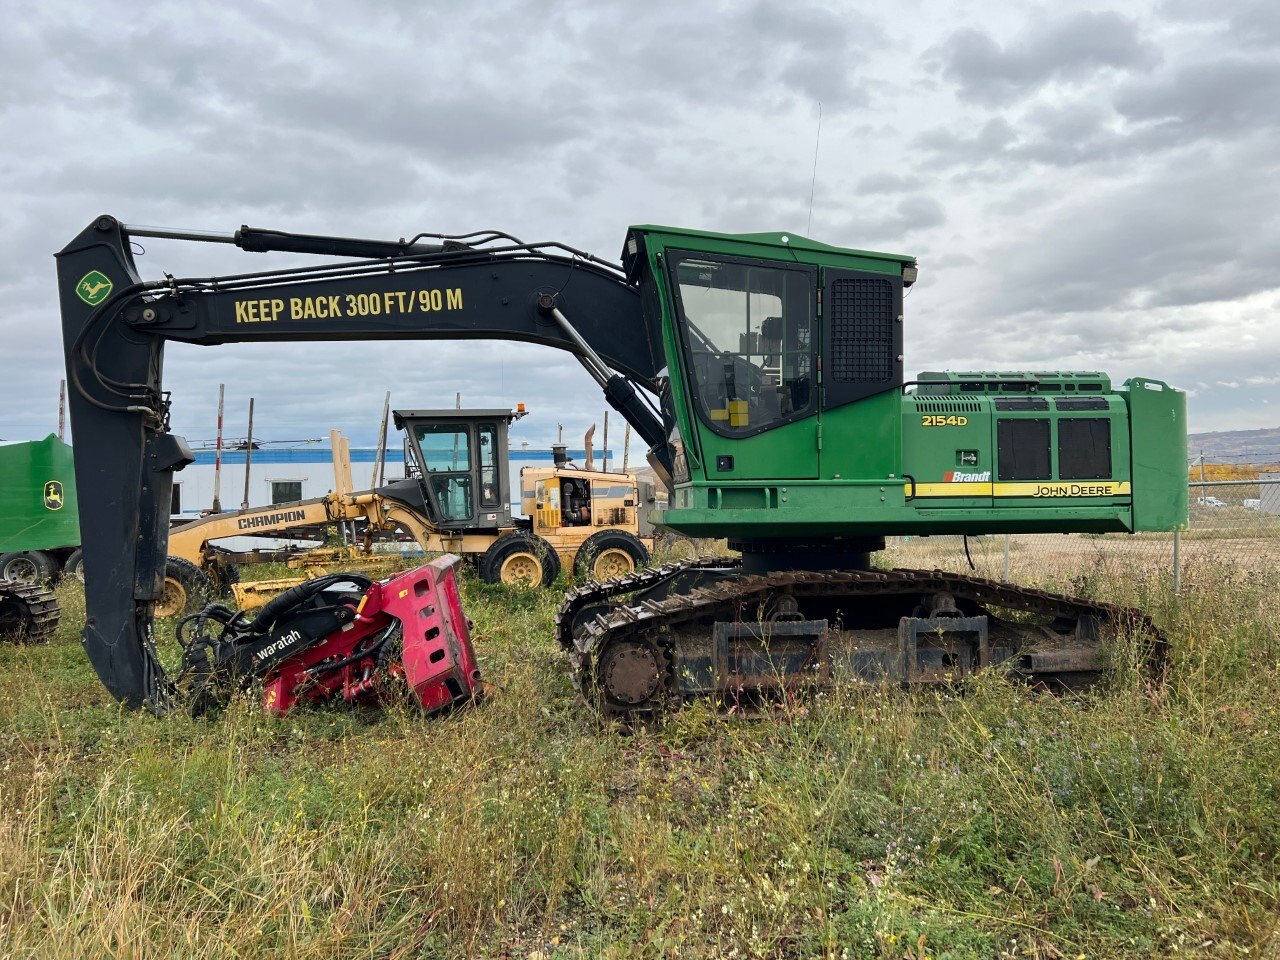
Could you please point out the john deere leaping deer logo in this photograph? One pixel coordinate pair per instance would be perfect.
(94, 287)
(53, 495)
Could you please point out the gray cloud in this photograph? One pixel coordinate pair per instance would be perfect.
(883, 183)
(1222, 98)
(1074, 46)
(1243, 23)
(1211, 101)
(754, 53)
(953, 148)
(1193, 234)
(1087, 189)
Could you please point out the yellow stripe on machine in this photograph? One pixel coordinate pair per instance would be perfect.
(1033, 489)
(952, 489)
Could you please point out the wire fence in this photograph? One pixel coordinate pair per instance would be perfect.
(1233, 523)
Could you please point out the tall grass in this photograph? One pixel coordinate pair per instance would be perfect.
(871, 822)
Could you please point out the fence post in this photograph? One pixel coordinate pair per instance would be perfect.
(1005, 578)
(1177, 567)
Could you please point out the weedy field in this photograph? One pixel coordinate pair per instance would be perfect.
(982, 822)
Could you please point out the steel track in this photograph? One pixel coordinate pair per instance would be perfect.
(654, 622)
(30, 612)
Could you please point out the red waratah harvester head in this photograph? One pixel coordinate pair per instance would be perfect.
(341, 636)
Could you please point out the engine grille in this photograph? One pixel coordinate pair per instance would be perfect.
(934, 405)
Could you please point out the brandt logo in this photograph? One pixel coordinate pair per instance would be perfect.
(271, 519)
(960, 476)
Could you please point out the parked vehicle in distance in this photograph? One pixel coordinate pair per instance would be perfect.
(1210, 502)
(39, 522)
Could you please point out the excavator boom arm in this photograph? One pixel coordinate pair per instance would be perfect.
(115, 326)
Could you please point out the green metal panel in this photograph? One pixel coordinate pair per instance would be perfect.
(1058, 491)
(786, 452)
(863, 440)
(1158, 418)
(38, 508)
(947, 451)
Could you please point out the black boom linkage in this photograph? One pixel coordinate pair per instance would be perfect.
(485, 285)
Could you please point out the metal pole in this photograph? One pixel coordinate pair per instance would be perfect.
(1202, 466)
(586, 356)
(1177, 567)
(604, 447)
(217, 455)
(626, 448)
(379, 465)
(62, 410)
(1006, 558)
(248, 458)
(457, 405)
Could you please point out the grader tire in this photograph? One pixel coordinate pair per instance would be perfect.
(609, 554)
(520, 558)
(186, 588)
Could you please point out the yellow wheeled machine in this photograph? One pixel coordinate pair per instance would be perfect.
(456, 498)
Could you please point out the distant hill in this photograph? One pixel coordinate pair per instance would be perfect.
(1236, 446)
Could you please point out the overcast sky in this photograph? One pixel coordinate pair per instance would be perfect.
(1088, 189)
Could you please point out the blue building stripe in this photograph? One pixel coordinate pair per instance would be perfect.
(358, 455)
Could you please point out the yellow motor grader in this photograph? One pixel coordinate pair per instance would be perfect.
(455, 498)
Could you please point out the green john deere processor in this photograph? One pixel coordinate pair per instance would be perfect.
(766, 373)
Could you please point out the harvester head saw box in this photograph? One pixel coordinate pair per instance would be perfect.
(341, 637)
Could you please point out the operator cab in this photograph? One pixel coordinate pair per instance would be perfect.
(456, 465)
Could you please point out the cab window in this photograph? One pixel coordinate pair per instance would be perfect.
(445, 448)
(446, 458)
(453, 493)
(748, 338)
(487, 438)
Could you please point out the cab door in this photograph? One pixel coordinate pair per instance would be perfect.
(446, 451)
(749, 332)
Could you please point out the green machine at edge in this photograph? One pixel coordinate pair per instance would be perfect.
(38, 496)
